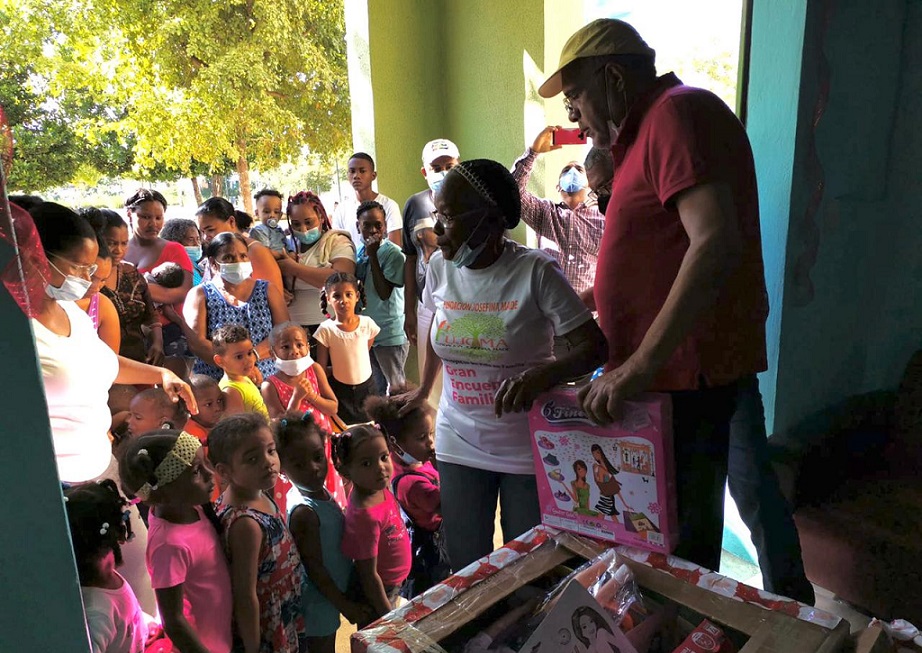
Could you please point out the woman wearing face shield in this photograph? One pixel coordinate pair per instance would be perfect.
(77, 367)
(497, 306)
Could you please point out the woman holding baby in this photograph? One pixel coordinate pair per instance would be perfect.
(149, 252)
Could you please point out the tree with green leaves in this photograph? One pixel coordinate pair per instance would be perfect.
(253, 81)
(50, 148)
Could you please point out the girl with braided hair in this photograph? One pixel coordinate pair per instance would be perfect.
(166, 469)
(344, 341)
(98, 518)
(320, 251)
(498, 306)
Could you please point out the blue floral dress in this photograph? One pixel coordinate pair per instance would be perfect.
(254, 314)
(279, 582)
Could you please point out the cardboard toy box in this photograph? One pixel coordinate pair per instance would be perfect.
(771, 623)
(612, 483)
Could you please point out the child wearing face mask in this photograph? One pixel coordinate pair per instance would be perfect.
(301, 385)
(415, 484)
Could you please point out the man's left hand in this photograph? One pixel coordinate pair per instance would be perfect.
(603, 398)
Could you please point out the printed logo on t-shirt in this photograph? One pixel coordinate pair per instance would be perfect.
(482, 336)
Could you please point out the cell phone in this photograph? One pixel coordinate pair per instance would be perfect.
(569, 136)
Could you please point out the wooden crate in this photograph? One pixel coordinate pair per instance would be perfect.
(438, 613)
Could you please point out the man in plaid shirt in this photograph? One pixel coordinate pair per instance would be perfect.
(569, 230)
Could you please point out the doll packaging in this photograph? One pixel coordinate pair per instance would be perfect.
(613, 483)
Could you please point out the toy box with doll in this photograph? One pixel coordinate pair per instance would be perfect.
(654, 599)
(612, 483)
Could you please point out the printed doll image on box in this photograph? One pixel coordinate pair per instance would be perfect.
(593, 633)
(603, 473)
(578, 490)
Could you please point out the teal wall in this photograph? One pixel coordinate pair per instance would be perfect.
(853, 325)
(40, 606)
(774, 83)
(897, 320)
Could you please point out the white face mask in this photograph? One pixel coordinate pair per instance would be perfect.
(236, 272)
(71, 290)
(294, 367)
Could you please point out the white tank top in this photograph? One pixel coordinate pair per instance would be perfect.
(78, 371)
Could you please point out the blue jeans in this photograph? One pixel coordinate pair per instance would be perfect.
(388, 363)
(701, 439)
(754, 487)
(469, 509)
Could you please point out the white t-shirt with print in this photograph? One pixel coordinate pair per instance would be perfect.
(344, 216)
(491, 324)
(349, 354)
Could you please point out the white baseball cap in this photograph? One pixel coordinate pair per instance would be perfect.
(438, 148)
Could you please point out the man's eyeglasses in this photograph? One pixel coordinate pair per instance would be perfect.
(568, 103)
(84, 270)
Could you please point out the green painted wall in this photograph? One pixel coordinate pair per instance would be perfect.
(40, 605)
(408, 82)
(458, 69)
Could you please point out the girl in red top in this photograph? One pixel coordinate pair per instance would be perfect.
(374, 534)
(300, 385)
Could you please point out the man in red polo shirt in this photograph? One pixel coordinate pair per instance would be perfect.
(679, 289)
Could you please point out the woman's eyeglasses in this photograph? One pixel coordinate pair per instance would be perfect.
(448, 220)
(83, 270)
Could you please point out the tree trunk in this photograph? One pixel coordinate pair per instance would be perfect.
(197, 190)
(216, 184)
(243, 172)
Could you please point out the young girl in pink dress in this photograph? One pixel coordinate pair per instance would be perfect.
(415, 485)
(300, 385)
(188, 571)
(374, 534)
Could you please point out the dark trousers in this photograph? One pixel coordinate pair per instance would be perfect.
(469, 497)
(352, 399)
(701, 439)
(754, 487)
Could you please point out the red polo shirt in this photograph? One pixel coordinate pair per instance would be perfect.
(674, 138)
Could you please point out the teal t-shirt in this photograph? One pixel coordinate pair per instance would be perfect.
(387, 314)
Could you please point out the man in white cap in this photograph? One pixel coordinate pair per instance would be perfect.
(680, 287)
(439, 156)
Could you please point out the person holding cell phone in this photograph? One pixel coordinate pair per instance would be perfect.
(569, 229)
